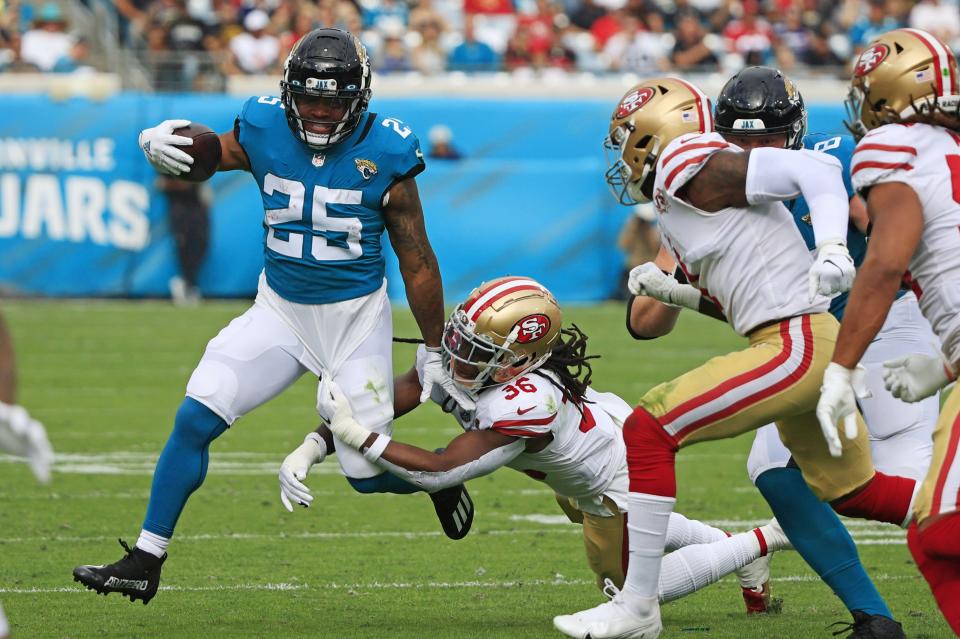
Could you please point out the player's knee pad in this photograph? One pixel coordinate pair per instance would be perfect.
(196, 424)
(215, 384)
(651, 454)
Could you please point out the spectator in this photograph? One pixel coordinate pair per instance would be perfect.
(690, 50)
(377, 14)
(558, 54)
(441, 144)
(48, 41)
(471, 54)
(605, 27)
(868, 27)
(637, 50)
(750, 36)
(586, 14)
(639, 240)
(77, 60)
(424, 13)
(304, 21)
(394, 56)
(519, 53)
(188, 212)
(939, 18)
(255, 50)
(429, 57)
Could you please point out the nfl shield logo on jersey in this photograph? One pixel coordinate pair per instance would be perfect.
(318, 159)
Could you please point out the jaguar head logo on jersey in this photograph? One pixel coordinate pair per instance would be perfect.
(903, 75)
(506, 327)
(532, 328)
(633, 101)
(636, 136)
(367, 168)
(871, 59)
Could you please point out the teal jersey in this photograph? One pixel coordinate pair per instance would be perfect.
(840, 147)
(323, 210)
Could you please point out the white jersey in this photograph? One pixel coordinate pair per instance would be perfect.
(752, 262)
(587, 451)
(926, 158)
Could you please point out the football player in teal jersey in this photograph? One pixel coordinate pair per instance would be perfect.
(761, 107)
(332, 176)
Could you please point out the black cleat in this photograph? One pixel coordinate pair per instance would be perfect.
(137, 575)
(454, 510)
(866, 626)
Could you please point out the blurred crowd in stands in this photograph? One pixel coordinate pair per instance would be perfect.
(183, 41)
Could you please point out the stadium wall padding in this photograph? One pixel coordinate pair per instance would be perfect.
(80, 214)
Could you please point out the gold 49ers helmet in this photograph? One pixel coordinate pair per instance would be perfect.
(901, 73)
(647, 118)
(506, 327)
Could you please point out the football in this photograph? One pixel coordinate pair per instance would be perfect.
(205, 151)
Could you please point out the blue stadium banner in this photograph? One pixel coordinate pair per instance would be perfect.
(81, 215)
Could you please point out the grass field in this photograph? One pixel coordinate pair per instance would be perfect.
(106, 379)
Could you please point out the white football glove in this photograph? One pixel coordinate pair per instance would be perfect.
(295, 469)
(648, 280)
(832, 272)
(159, 144)
(334, 406)
(915, 377)
(24, 436)
(838, 401)
(433, 374)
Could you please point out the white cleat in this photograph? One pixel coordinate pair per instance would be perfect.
(611, 620)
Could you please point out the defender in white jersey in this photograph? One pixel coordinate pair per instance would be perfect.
(536, 413)
(904, 105)
(721, 216)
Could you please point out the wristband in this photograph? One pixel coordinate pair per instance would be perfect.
(372, 454)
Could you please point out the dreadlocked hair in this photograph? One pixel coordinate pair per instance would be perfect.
(931, 112)
(570, 365)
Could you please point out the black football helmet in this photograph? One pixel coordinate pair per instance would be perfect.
(761, 101)
(326, 63)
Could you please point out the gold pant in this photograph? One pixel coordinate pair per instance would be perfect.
(776, 379)
(939, 492)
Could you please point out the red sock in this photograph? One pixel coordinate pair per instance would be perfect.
(651, 455)
(884, 498)
(941, 573)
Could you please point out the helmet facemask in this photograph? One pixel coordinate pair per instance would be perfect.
(353, 108)
(474, 361)
(620, 173)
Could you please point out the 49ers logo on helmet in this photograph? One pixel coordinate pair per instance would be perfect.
(633, 101)
(871, 59)
(532, 328)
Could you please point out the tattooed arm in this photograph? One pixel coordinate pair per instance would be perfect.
(721, 183)
(403, 216)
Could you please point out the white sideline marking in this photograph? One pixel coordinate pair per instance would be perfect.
(401, 585)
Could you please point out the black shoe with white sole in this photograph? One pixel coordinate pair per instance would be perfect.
(867, 626)
(136, 575)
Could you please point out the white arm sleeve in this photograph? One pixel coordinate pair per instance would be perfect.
(484, 465)
(775, 175)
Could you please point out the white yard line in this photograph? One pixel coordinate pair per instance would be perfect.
(432, 585)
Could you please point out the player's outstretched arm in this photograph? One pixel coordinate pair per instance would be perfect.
(403, 215)
(472, 454)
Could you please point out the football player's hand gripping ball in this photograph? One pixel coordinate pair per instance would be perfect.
(838, 401)
(160, 144)
(915, 377)
(832, 271)
(433, 374)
